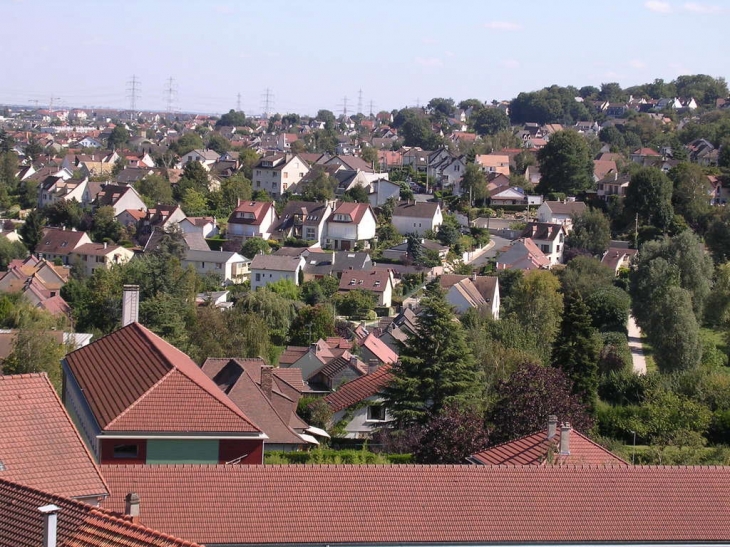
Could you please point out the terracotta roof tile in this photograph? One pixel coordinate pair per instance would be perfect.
(429, 504)
(359, 389)
(79, 524)
(39, 445)
(135, 381)
(536, 449)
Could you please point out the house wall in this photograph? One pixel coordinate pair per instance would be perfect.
(456, 299)
(309, 364)
(107, 452)
(252, 451)
(79, 411)
(414, 225)
(130, 200)
(173, 451)
(359, 427)
(386, 297)
(261, 278)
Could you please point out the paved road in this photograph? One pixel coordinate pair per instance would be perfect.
(483, 258)
(637, 350)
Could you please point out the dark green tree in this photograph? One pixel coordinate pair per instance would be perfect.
(156, 189)
(609, 308)
(690, 197)
(565, 164)
(649, 196)
(674, 332)
(320, 186)
(219, 143)
(436, 365)
(253, 246)
(232, 118)
(576, 351)
(118, 138)
(31, 232)
(490, 121)
(310, 324)
(591, 233)
(357, 193)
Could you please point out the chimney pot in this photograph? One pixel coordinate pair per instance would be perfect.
(131, 506)
(552, 426)
(50, 524)
(565, 439)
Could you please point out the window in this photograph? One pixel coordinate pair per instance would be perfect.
(258, 172)
(203, 265)
(376, 413)
(258, 277)
(285, 186)
(126, 451)
(545, 248)
(273, 174)
(286, 175)
(258, 184)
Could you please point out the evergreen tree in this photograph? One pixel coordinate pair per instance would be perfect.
(436, 365)
(31, 232)
(576, 351)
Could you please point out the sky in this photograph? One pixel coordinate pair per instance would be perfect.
(323, 54)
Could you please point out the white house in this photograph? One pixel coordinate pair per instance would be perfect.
(267, 269)
(478, 292)
(56, 188)
(550, 239)
(205, 156)
(206, 226)
(252, 219)
(303, 220)
(92, 256)
(382, 190)
(121, 198)
(560, 212)
(417, 217)
(231, 267)
(279, 173)
(378, 282)
(349, 225)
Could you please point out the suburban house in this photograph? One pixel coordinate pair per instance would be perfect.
(382, 190)
(417, 217)
(303, 220)
(137, 399)
(522, 254)
(560, 212)
(335, 263)
(271, 268)
(359, 403)
(252, 219)
(431, 504)
(39, 281)
(206, 226)
(377, 282)
(266, 395)
(92, 256)
(36, 430)
(324, 364)
(376, 352)
(205, 157)
(350, 225)
(279, 173)
(511, 195)
(558, 445)
(160, 217)
(466, 292)
(617, 258)
(550, 238)
(613, 184)
(232, 268)
(58, 243)
(58, 188)
(493, 163)
(120, 198)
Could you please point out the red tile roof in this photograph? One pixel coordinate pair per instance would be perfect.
(135, 381)
(355, 210)
(259, 209)
(429, 504)
(373, 280)
(359, 389)
(536, 449)
(380, 349)
(39, 445)
(79, 524)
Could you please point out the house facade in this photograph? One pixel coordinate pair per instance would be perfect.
(279, 173)
(267, 269)
(349, 225)
(417, 217)
(232, 268)
(92, 256)
(252, 219)
(550, 238)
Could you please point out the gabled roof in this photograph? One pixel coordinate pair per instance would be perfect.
(566, 207)
(276, 263)
(543, 231)
(135, 381)
(537, 449)
(112, 193)
(416, 504)
(79, 524)
(58, 241)
(359, 389)
(257, 209)
(379, 349)
(355, 210)
(601, 168)
(420, 209)
(523, 254)
(39, 445)
(306, 212)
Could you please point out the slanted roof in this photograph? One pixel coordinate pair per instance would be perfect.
(133, 380)
(59, 241)
(379, 349)
(79, 524)
(523, 254)
(276, 263)
(543, 231)
(396, 504)
(373, 280)
(537, 449)
(112, 193)
(251, 212)
(601, 168)
(419, 209)
(566, 207)
(359, 389)
(355, 210)
(39, 445)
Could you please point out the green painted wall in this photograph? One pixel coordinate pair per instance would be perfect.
(161, 451)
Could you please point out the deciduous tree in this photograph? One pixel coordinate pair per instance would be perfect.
(649, 196)
(565, 164)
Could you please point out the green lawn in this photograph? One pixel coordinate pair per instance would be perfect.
(648, 355)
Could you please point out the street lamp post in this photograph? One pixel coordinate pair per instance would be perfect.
(633, 451)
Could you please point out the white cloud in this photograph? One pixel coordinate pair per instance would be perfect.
(503, 25)
(431, 62)
(637, 64)
(704, 9)
(658, 6)
(510, 63)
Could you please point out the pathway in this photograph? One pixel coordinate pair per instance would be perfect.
(637, 350)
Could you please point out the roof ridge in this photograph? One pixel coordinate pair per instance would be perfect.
(141, 397)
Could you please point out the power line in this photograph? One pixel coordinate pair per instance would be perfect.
(267, 102)
(359, 101)
(133, 94)
(371, 104)
(51, 101)
(170, 94)
(343, 105)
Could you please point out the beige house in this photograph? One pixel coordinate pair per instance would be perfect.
(279, 173)
(92, 256)
(493, 163)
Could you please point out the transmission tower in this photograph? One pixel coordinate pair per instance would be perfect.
(343, 105)
(133, 95)
(170, 94)
(267, 102)
(51, 101)
(34, 101)
(359, 101)
(238, 102)
(371, 104)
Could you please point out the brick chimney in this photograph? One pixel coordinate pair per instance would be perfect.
(131, 506)
(552, 426)
(50, 524)
(565, 439)
(267, 381)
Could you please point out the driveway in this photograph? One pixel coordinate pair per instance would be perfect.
(637, 350)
